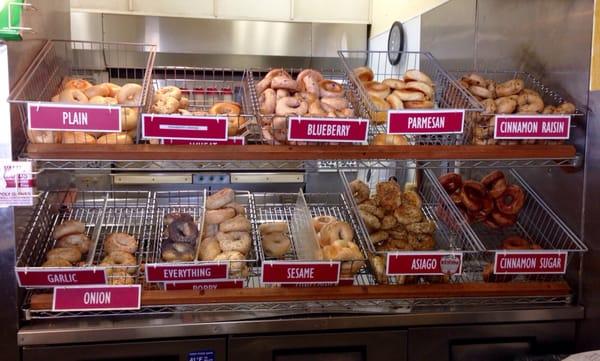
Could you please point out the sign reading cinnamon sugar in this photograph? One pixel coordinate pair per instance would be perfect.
(184, 127)
(532, 126)
(538, 262)
(327, 130)
(426, 121)
(424, 263)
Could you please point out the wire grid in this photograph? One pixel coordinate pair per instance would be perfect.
(97, 62)
(281, 207)
(306, 308)
(256, 75)
(550, 97)
(55, 208)
(206, 86)
(125, 212)
(448, 92)
(452, 232)
(191, 202)
(536, 222)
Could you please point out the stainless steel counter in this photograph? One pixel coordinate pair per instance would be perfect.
(195, 325)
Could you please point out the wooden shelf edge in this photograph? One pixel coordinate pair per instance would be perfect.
(248, 295)
(294, 153)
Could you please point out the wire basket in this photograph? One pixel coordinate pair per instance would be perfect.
(536, 222)
(96, 62)
(193, 203)
(483, 123)
(298, 209)
(204, 87)
(101, 212)
(280, 132)
(452, 233)
(448, 93)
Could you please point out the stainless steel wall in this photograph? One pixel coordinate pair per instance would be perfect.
(223, 43)
(552, 40)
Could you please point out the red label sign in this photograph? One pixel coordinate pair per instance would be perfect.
(97, 298)
(84, 118)
(424, 263)
(328, 130)
(206, 285)
(300, 272)
(342, 282)
(45, 277)
(160, 126)
(165, 272)
(517, 262)
(532, 127)
(229, 141)
(428, 121)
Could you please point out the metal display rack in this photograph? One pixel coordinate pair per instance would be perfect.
(448, 93)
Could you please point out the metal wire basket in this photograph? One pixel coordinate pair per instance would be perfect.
(96, 62)
(206, 86)
(193, 203)
(266, 120)
(297, 209)
(102, 212)
(482, 130)
(452, 233)
(536, 223)
(448, 93)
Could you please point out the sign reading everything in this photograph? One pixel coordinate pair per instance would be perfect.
(182, 127)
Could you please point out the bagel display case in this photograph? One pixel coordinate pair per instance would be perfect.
(264, 243)
(326, 99)
(416, 99)
(524, 240)
(71, 93)
(528, 111)
(202, 94)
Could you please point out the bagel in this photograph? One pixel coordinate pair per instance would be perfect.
(129, 118)
(43, 136)
(394, 83)
(377, 89)
(481, 92)
(209, 249)
(394, 101)
(70, 254)
(566, 108)
(101, 90)
(408, 214)
(236, 224)
(417, 75)
(77, 138)
(360, 190)
(421, 87)
(409, 95)
(276, 245)
(280, 93)
(130, 94)
(113, 89)
(121, 242)
(420, 104)
(217, 216)
(237, 264)
(57, 262)
(119, 258)
(389, 139)
(335, 103)
(115, 138)
(177, 252)
(273, 227)
(364, 73)
(282, 82)
(225, 108)
(291, 106)
(267, 101)
(170, 91)
(510, 87)
(330, 88)
(77, 240)
(102, 100)
(80, 84)
(234, 241)
(505, 105)
(70, 95)
(380, 107)
(529, 102)
(165, 105)
(475, 79)
(68, 227)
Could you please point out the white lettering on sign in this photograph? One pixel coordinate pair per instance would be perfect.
(204, 287)
(301, 273)
(553, 127)
(519, 127)
(551, 263)
(426, 122)
(62, 278)
(96, 298)
(177, 273)
(75, 118)
(335, 130)
(419, 264)
(518, 263)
